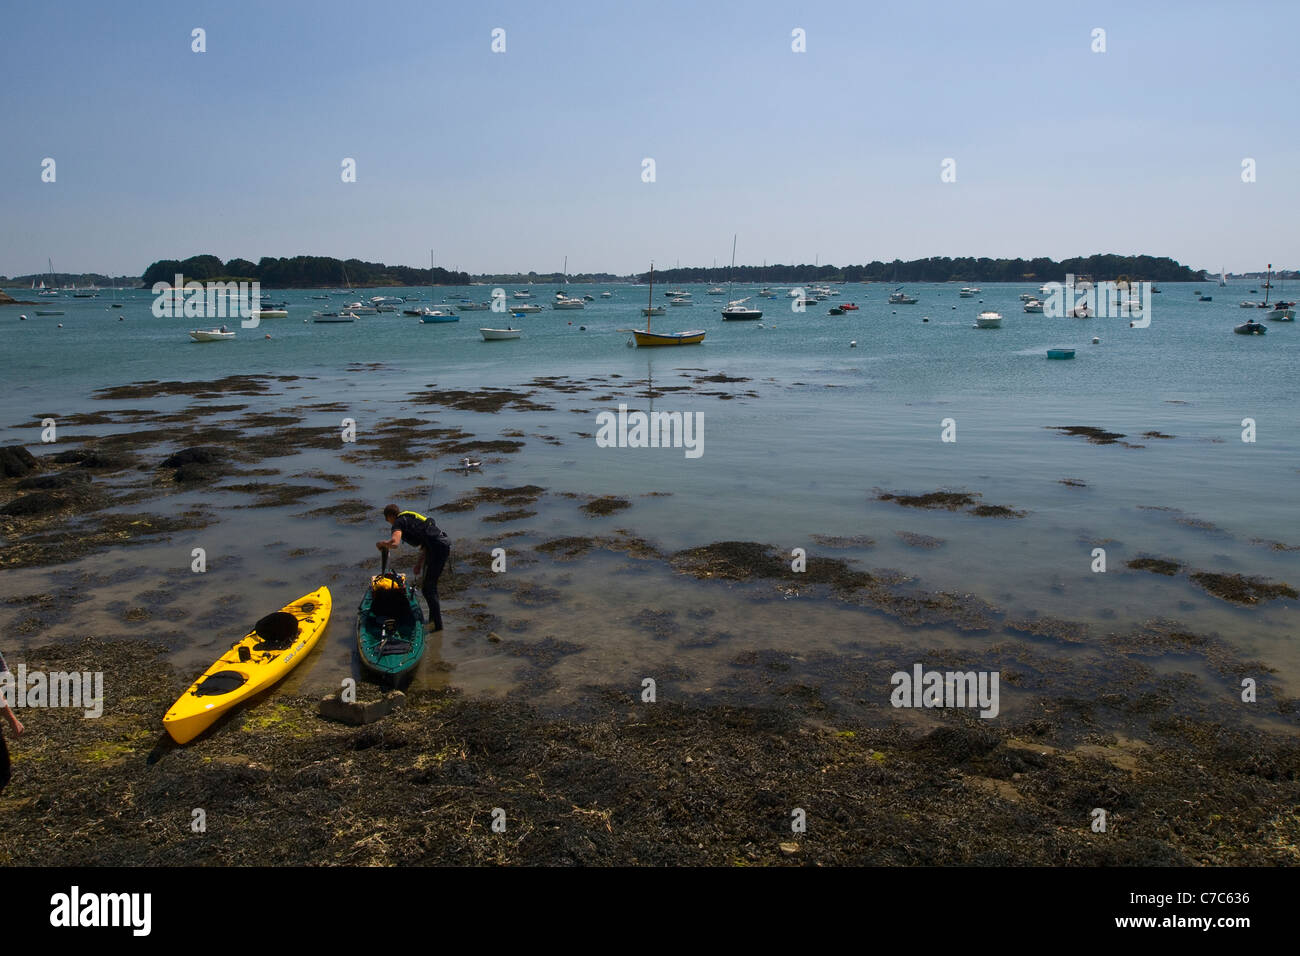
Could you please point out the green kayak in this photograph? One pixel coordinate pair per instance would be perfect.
(390, 627)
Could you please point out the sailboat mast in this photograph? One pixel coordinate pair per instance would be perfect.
(731, 274)
(1268, 282)
(650, 298)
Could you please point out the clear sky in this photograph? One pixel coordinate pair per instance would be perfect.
(511, 161)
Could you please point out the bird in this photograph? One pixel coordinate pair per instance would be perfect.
(468, 463)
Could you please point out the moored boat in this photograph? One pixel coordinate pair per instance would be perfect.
(1060, 353)
(1250, 327)
(497, 335)
(988, 320)
(212, 335)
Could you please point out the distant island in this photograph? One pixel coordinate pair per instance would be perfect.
(324, 272)
(943, 269)
(299, 272)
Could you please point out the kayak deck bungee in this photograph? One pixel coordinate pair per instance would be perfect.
(275, 645)
(390, 627)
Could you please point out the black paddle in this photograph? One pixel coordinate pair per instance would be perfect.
(383, 565)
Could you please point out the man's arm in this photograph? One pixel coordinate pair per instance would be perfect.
(392, 543)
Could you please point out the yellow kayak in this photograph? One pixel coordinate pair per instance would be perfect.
(270, 650)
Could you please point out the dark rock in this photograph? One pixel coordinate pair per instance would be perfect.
(50, 502)
(16, 461)
(64, 479)
(200, 455)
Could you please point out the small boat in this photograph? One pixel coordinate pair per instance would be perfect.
(677, 294)
(1206, 298)
(527, 308)
(607, 295)
(474, 307)
(1027, 297)
(1251, 327)
(269, 314)
(117, 305)
(522, 295)
(680, 302)
(390, 627)
(276, 645)
(803, 303)
(1060, 353)
(849, 306)
(356, 308)
(646, 338)
(1248, 305)
(716, 290)
(901, 298)
(967, 292)
(836, 310)
(588, 298)
(1033, 305)
(562, 301)
(988, 320)
(1278, 311)
(321, 319)
(435, 316)
(652, 310)
(1080, 312)
(320, 297)
(49, 312)
(212, 335)
(737, 311)
(498, 335)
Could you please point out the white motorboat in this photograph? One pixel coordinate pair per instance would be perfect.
(1281, 312)
(269, 314)
(652, 310)
(680, 301)
(717, 290)
(968, 292)
(988, 320)
(356, 308)
(901, 298)
(1027, 297)
(1033, 305)
(527, 307)
(212, 335)
(522, 295)
(1248, 305)
(498, 335)
(473, 307)
(562, 301)
(607, 295)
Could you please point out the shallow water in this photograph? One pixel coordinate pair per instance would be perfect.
(829, 426)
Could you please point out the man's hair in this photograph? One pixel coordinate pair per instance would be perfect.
(391, 511)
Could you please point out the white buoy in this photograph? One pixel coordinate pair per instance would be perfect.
(853, 344)
(60, 325)
(22, 318)
(1095, 340)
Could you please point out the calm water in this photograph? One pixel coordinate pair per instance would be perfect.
(830, 424)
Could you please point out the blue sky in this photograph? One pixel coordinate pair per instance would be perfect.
(515, 160)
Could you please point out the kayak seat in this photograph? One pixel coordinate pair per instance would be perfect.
(277, 631)
(390, 603)
(222, 682)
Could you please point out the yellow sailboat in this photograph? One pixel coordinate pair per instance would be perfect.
(644, 337)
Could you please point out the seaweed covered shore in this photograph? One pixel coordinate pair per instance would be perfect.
(623, 781)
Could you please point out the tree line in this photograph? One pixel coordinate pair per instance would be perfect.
(299, 272)
(944, 269)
